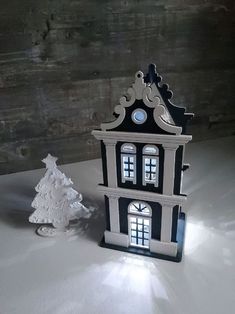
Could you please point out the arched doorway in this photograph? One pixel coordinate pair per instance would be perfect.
(139, 224)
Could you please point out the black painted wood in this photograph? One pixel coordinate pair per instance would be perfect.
(156, 220)
(104, 163)
(178, 170)
(175, 215)
(107, 213)
(123, 212)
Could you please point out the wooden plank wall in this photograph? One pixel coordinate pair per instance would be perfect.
(65, 64)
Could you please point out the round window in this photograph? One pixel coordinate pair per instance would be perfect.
(139, 116)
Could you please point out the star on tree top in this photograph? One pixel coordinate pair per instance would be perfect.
(50, 161)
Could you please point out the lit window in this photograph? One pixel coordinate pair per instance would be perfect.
(139, 208)
(128, 162)
(139, 116)
(139, 224)
(150, 165)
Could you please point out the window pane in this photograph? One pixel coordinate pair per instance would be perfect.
(140, 220)
(128, 148)
(146, 222)
(140, 208)
(153, 161)
(146, 236)
(146, 242)
(146, 211)
(128, 167)
(147, 176)
(150, 169)
(139, 116)
(146, 228)
(132, 208)
(152, 150)
(133, 240)
(140, 227)
(133, 233)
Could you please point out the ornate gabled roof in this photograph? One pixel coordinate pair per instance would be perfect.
(148, 109)
(178, 114)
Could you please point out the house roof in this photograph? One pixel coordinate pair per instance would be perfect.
(147, 108)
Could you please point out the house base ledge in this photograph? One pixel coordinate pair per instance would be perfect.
(166, 248)
(114, 238)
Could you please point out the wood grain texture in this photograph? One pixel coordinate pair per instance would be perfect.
(65, 64)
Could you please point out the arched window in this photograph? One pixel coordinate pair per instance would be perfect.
(139, 221)
(140, 208)
(151, 165)
(128, 162)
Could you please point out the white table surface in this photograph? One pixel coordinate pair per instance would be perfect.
(75, 276)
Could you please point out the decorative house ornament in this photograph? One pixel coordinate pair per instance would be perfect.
(142, 157)
(56, 202)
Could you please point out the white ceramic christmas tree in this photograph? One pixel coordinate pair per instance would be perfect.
(56, 202)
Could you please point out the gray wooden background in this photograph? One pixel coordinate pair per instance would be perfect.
(65, 63)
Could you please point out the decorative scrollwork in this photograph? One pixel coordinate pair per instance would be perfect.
(151, 98)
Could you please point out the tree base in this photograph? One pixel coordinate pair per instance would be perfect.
(50, 231)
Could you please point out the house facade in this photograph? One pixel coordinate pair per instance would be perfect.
(142, 158)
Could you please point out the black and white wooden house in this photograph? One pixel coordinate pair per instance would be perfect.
(142, 157)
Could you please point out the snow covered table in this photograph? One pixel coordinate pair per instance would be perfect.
(76, 276)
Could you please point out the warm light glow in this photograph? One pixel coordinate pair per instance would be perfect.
(135, 274)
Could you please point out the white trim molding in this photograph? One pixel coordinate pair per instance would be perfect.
(116, 238)
(131, 179)
(110, 147)
(163, 247)
(143, 195)
(156, 181)
(114, 213)
(169, 168)
(136, 216)
(166, 223)
(148, 138)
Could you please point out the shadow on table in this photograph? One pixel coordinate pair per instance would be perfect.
(94, 226)
(15, 209)
(15, 205)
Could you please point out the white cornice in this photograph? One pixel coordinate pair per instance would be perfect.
(114, 136)
(143, 195)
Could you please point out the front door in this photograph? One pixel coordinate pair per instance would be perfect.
(139, 228)
(139, 224)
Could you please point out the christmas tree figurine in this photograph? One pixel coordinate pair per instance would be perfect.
(56, 202)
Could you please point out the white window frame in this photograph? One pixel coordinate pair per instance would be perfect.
(150, 156)
(143, 216)
(128, 154)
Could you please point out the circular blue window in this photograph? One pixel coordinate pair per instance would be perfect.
(139, 116)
